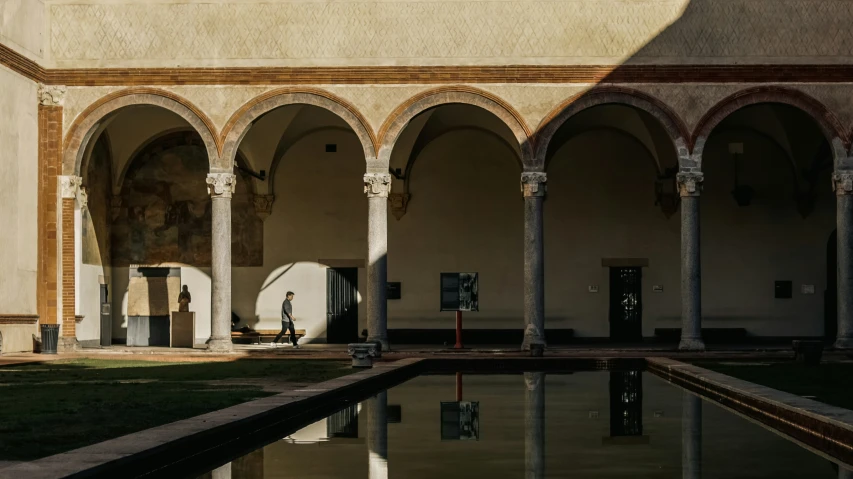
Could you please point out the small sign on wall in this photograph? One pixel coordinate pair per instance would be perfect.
(593, 288)
(807, 289)
(394, 291)
(658, 288)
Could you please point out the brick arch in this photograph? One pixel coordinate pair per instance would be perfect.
(403, 114)
(240, 122)
(87, 122)
(668, 119)
(836, 136)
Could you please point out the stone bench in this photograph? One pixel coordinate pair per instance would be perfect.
(807, 352)
(255, 336)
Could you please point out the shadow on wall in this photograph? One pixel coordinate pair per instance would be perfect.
(308, 280)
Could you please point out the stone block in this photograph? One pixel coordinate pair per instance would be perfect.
(182, 329)
(363, 353)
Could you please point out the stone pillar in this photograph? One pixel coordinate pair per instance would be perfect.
(377, 436)
(69, 189)
(842, 183)
(221, 187)
(533, 187)
(377, 186)
(691, 436)
(534, 426)
(689, 188)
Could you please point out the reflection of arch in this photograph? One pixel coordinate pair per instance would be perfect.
(85, 125)
(826, 120)
(240, 122)
(169, 139)
(670, 122)
(280, 151)
(403, 114)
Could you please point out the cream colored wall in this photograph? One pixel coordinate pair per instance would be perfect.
(18, 338)
(23, 24)
(18, 193)
(459, 32)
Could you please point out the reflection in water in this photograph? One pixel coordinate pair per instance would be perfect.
(534, 426)
(691, 436)
(343, 423)
(377, 436)
(844, 473)
(626, 403)
(223, 472)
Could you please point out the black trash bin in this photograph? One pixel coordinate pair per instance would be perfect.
(49, 338)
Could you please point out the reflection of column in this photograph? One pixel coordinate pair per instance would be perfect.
(691, 436)
(221, 186)
(250, 466)
(69, 192)
(689, 187)
(534, 426)
(844, 473)
(377, 186)
(842, 183)
(377, 436)
(533, 189)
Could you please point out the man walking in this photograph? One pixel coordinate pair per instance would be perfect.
(287, 321)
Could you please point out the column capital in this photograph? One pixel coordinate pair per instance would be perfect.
(534, 183)
(221, 185)
(263, 205)
(69, 186)
(689, 184)
(842, 183)
(377, 185)
(52, 95)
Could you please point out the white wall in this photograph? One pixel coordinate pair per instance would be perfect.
(22, 27)
(18, 193)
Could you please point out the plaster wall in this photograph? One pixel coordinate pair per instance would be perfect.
(18, 338)
(23, 24)
(18, 193)
(172, 33)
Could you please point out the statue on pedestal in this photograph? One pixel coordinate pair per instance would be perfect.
(184, 300)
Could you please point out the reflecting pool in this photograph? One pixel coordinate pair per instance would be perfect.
(597, 424)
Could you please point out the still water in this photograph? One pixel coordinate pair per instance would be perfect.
(601, 424)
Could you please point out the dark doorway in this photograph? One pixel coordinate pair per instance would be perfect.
(106, 317)
(626, 304)
(341, 305)
(830, 295)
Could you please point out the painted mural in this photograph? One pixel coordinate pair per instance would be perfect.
(96, 220)
(165, 211)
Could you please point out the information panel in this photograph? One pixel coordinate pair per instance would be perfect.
(459, 292)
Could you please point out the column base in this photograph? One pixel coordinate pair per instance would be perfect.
(691, 344)
(843, 343)
(220, 345)
(67, 344)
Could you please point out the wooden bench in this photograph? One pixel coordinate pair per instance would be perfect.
(255, 336)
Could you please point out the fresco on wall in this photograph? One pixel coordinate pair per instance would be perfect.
(96, 221)
(165, 213)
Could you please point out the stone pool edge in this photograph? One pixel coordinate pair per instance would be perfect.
(110, 456)
(826, 428)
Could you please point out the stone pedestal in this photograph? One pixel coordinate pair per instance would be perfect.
(67, 344)
(364, 353)
(182, 329)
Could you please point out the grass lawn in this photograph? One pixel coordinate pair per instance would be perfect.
(828, 383)
(62, 405)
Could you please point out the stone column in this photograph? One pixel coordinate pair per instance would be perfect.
(69, 189)
(691, 436)
(842, 183)
(377, 436)
(377, 186)
(221, 187)
(534, 426)
(533, 187)
(689, 188)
